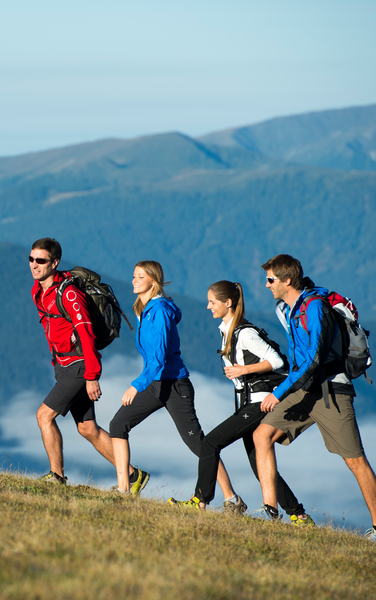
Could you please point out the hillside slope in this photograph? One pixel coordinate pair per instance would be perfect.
(80, 542)
(337, 139)
(203, 223)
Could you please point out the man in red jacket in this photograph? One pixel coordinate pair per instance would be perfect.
(77, 376)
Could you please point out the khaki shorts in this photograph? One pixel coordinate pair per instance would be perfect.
(337, 424)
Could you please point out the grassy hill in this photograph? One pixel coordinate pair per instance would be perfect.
(80, 542)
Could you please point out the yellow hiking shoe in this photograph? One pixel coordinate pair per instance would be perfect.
(194, 503)
(140, 483)
(305, 521)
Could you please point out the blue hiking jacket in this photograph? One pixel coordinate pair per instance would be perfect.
(158, 342)
(308, 351)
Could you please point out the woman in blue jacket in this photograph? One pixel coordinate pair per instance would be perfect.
(164, 381)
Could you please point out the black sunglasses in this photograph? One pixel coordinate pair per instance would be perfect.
(39, 261)
(271, 279)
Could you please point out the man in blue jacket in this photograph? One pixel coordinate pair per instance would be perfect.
(299, 401)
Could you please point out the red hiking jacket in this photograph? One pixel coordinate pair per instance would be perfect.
(60, 332)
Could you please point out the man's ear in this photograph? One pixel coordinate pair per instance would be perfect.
(288, 281)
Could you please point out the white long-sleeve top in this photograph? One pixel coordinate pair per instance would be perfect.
(249, 339)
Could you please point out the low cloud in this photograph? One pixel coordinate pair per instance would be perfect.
(319, 479)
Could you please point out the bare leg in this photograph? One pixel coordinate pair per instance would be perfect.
(366, 480)
(100, 439)
(264, 438)
(224, 481)
(52, 439)
(122, 456)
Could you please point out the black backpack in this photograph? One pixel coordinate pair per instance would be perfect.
(266, 382)
(263, 335)
(103, 307)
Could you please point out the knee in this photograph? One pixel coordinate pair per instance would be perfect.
(357, 464)
(88, 429)
(210, 444)
(118, 429)
(261, 437)
(45, 415)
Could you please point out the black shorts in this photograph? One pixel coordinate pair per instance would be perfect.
(69, 393)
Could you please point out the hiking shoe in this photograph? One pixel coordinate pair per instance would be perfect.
(302, 521)
(271, 512)
(370, 535)
(194, 503)
(115, 490)
(266, 512)
(141, 481)
(52, 477)
(237, 509)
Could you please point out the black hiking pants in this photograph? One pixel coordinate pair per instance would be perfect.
(239, 425)
(177, 397)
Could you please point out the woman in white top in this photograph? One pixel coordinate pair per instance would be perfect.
(256, 368)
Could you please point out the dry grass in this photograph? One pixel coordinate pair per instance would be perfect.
(79, 542)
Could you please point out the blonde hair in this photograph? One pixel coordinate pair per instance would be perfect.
(155, 271)
(226, 290)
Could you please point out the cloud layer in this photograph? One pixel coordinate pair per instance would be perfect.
(319, 479)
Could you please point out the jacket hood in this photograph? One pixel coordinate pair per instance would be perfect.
(153, 303)
(310, 289)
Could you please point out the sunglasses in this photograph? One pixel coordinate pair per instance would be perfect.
(271, 279)
(39, 261)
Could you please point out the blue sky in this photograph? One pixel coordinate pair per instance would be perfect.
(84, 70)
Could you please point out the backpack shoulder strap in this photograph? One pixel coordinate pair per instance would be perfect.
(235, 337)
(264, 336)
(303, 309)
(59, 298)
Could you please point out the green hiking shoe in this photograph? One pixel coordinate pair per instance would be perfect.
(140, 483)
(52, 477)
(237, 509)
(194, 503)
(302, 521)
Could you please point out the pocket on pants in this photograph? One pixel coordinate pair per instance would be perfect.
(184, 388)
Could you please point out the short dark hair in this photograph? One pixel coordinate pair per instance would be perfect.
(286, 267)
(51, 245)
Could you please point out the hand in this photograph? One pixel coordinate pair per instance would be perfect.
(93, 390)
(235, 371)
(268, 404)
(129, 396)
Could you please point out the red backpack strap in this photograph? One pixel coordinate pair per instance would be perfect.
(303, 309)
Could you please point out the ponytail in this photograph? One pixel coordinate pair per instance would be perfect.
(226, 290)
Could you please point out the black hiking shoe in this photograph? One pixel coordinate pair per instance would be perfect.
(271, 512)
(52, 477)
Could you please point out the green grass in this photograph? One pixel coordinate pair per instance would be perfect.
(80, 542)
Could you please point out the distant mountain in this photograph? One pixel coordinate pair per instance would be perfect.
(336, 139)
(208, 209)
(204, 213)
